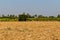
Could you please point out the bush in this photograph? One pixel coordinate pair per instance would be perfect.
(22, 17)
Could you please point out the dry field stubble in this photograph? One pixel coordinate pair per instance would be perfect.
(34, 30)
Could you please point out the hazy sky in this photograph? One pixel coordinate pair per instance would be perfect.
(44, 7)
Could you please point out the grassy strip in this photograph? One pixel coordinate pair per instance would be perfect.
(31, 19)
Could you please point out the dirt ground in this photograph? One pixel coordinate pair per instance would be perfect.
(33, 30)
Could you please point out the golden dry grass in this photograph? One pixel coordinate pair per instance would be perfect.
(34, 30)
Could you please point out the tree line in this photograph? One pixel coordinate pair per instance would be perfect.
(28, 17)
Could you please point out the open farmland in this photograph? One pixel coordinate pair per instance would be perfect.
(33, 30)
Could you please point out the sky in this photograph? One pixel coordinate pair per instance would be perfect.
(40, 7)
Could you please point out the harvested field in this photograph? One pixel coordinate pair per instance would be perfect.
(34, 30)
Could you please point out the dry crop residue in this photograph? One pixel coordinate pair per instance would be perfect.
(34, 30)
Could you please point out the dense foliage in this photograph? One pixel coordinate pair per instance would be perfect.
(28, 17)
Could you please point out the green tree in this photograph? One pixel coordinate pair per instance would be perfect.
(40, 16)
(28, 15)
(22, 17)
(51, 17)
(3, 16)
(58, 16)
(35, 16)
